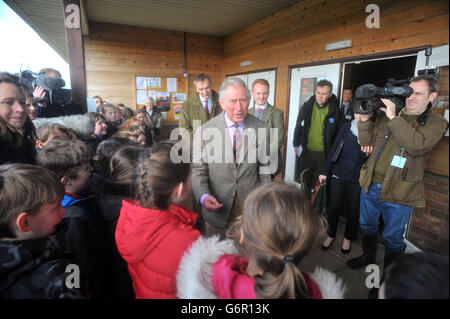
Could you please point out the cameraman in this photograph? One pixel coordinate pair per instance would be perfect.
(47, 109)
(392, 178)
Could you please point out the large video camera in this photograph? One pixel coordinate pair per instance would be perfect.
(368, 96)
(55, 94)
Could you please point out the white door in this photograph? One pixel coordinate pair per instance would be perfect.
(243, 77)
(438, 57)
(302, 87)
(249, 78)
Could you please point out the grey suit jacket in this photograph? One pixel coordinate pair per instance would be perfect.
(215, 173)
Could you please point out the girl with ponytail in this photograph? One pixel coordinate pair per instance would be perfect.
(276, 231)
(154, 231)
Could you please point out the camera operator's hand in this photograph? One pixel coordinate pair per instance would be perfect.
(389, 109)
(367, 149)
(39, 93)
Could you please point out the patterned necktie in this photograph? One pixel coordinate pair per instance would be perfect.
(237, 139)
(207, 110)
(259, 109)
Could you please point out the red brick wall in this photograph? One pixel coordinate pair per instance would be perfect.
(429, 226)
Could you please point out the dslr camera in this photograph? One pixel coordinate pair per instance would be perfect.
(55, 94)
(368, 96)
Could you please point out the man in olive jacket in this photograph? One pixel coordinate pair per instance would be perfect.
(201, 107)
(269, 114)
(392, 178)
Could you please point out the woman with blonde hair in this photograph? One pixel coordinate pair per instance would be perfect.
(277, 230)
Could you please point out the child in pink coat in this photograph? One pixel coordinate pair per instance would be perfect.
(277, 229)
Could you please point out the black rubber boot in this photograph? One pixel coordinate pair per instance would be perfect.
(368, 257)
(388, 259)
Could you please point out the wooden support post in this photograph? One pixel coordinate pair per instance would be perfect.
(75, 51)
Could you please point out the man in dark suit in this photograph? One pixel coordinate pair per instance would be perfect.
(346, 108)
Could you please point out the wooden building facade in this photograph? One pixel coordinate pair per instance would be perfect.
(297, 36)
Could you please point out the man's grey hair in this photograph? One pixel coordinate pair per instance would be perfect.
(201, 77)
(323, 83)
(232, 82)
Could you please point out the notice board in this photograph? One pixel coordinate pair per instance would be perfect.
(168, 92)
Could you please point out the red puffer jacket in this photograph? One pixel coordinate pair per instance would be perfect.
(152, 242)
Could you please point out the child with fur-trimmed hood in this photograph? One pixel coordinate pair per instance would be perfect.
(277, 229)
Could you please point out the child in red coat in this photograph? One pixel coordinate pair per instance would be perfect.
(154, 232)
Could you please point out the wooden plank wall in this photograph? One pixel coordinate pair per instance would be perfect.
(299, 34)
(115, 54)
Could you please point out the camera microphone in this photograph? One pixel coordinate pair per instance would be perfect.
(48, 83)
(366, 91)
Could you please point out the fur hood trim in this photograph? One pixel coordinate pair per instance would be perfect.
(329, 284)
(81, 124)
(194, 272)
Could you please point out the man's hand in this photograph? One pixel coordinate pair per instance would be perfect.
(296, 150)
(322, 178)
(389, 109)
(39, 93)
(211, 204)
(367, 149)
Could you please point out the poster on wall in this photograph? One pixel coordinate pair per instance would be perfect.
(141, 83)
(177, 111)
(307, 87)
(172, 84)
(163, 101)
(154, 83)
(141, 95)
(178, 97)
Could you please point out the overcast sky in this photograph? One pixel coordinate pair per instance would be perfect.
(23, 49)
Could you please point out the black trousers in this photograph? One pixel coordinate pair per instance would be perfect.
(343, 199)
(311, 164)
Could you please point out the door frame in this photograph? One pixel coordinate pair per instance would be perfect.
(356, 58)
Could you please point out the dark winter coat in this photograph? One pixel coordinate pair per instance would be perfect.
(86, 241)
(331, 124)
(110, 203)
(17, 148)
(350, 160)
(36, 269)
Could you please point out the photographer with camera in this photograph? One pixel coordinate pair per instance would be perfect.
(392, 177)
(53, 100)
